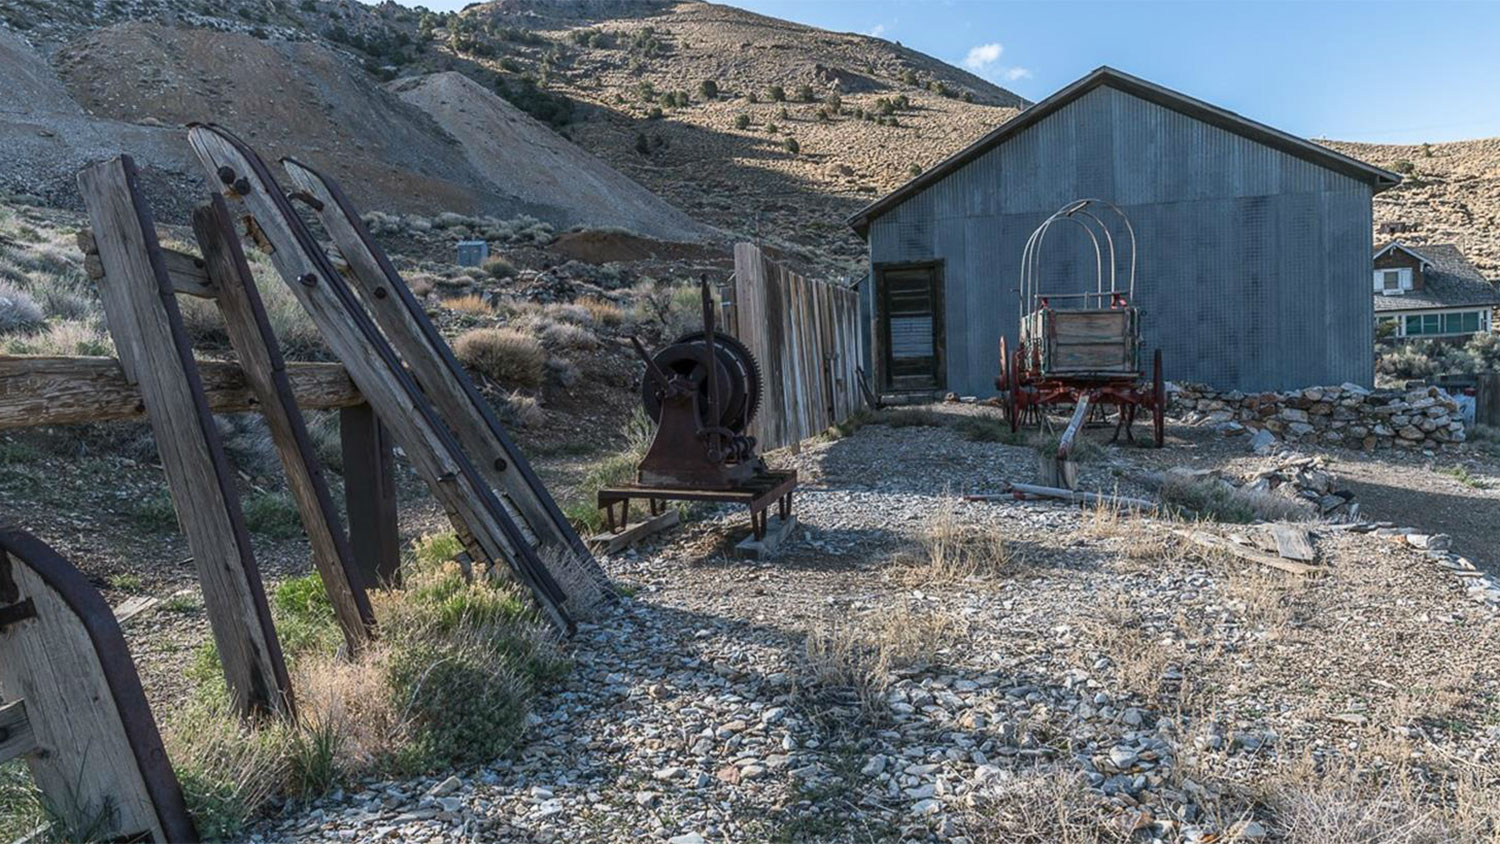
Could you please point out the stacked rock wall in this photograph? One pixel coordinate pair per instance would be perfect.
(1347, 415)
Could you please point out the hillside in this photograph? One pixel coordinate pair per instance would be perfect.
(1450, 193)
(796, 128)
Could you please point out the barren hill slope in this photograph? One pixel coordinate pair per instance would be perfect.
(1449, 192)
(552, 171)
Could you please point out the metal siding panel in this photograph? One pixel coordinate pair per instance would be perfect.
(1253, 264)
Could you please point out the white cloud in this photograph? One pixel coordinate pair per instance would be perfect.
(876, 31)
(983, 56)
(1014, 73)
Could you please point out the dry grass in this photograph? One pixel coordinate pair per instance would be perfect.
(603, 312)
(564, 335)
(953, 552)
(859, 657)
(469, 303)
(1044, 806)
(1215, 500)
(524, 410)
(504, 355)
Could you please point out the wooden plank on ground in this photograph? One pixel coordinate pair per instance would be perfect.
(1293, 542)
(134, 606)
(143, 318)
(1219, 543)
(610, 542)
(38, 391)
(256, 348)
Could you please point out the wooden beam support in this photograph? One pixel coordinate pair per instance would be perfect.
(36, 391)
(255, 345)
(186, 272)
(16, 736)
(141, 308)
(370, 493)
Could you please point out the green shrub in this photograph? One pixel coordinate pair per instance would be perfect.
(804, 93)
(709, 89)
(154, 513)
(272, 514)
(792, 146)
(503, 354)
(742, 121)
(498, 266)
(776, 94)
(1405, 167)
(914, 169)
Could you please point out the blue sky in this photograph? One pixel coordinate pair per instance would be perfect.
(1385, 72)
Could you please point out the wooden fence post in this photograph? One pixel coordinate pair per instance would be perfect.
(1487, 399)
(370, 492)
(141, 306)
(255, 344)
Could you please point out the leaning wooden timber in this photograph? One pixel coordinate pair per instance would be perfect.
(373, 364)
(255, 345)
(141, 305)
(404, 321)
(73, 704)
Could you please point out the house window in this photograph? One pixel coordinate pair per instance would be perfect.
(1393, 282)
(1463, 322)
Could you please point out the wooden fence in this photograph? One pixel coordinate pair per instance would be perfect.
(805, 335)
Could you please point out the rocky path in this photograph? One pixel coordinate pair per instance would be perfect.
(1087, 670)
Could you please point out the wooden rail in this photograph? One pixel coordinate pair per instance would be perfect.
(36, 391)
(805, 336)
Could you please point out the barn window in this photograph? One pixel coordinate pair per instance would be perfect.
(1393, 282)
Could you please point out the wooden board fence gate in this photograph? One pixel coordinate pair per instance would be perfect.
(805, 335)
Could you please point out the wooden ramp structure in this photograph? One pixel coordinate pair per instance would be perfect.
(405, 371)
(71, 705)
(805, 335)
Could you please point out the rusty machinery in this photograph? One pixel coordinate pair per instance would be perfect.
(702, 391)
(1081, 349)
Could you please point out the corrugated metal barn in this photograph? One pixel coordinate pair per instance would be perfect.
(1254, 245)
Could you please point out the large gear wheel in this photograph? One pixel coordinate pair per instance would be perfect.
(738, 373)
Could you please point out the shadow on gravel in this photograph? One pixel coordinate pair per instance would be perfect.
(1469, 519)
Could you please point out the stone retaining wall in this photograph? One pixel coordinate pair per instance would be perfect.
(1347, 415)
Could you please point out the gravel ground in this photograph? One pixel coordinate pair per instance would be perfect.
(1096, 661)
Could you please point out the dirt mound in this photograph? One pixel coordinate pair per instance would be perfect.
(519, 154)
(594, 246)
(286, 98)
(47, 137)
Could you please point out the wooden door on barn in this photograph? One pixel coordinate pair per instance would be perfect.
(909, 318)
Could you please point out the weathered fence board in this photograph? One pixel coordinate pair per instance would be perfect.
(88, 738)
(141, 307)
(255, 345)
(805, 335)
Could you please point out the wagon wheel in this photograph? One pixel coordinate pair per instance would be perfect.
(1158, 401)
(1007, 384)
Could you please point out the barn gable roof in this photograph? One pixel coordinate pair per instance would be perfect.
(1275, 138)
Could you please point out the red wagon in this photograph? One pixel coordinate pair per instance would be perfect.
(1081, 349)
